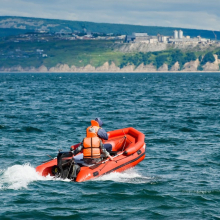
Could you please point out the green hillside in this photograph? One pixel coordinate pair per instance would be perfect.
(46, 48)
(4, 32)
(56, 25)
(78, 53)
(83, 52)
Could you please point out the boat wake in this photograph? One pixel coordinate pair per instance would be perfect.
(128, 176)
(19, 176)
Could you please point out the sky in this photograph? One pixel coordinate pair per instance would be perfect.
(198, 14)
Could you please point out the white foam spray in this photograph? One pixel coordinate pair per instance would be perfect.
(19, 176)
(128, 176)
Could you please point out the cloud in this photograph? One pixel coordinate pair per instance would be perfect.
(199, 14)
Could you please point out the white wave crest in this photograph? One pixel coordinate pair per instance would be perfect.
(19, 176)
(128, 176)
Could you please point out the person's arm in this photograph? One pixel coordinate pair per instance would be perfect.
(102, 134)
(78, 149)
(105, 152)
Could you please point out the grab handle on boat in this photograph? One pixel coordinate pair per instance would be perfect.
(113, 157)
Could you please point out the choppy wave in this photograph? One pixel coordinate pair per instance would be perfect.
(19, 176)
(31, 129)
(128, 176)
(178, 113)
(2, 126)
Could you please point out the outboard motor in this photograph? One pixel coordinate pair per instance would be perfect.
(66, 167)
(64, 164)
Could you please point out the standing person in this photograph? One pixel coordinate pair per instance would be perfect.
(92, 147)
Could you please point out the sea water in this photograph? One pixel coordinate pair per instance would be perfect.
(179, 113)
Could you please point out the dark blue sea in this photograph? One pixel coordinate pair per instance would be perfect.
(179, 113)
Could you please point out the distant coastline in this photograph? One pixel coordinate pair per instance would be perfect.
(191, 66)
(59, 48)
(1, 72)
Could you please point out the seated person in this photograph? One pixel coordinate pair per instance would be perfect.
(92, 147)
(101, 133)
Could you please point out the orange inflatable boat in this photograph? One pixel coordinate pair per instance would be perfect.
(128, 149)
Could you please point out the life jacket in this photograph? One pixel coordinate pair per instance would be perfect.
(95, 125)
(91, 146)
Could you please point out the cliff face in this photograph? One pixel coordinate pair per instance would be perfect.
(139, 47)
(129, 68)
(191, 66)
(212, 66)
(145, 68)
(175, 67)
(151, 47)
(106, 67)
(163, 68)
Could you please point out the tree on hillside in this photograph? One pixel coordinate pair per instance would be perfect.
(160, 60)
(124, 62)
(200, 68)
(208, 58)
(190, 56)
(146, 58)
(177, 56)
(137, 59)
(218, 53)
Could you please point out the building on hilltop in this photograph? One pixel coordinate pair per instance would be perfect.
(142, 37)
(175, 34)
(163, 39)
(180, 34)
(177, 38)
(129, 38)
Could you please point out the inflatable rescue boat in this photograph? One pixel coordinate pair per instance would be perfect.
(128, 149)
